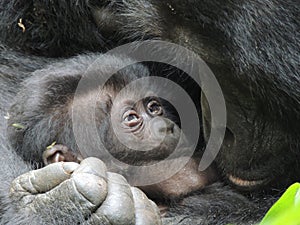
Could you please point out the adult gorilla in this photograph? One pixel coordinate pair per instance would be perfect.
(253, 49)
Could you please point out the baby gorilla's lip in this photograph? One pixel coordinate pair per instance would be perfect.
(245, 183)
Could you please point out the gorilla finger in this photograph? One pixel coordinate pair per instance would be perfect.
(118, 207)
(82, 191)
(42, 180)
(85, 191)
(146, 211)
(90, 180)
(93, 166)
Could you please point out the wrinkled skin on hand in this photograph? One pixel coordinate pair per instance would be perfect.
(86, 189)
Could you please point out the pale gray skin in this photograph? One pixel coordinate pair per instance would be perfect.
(101, 196)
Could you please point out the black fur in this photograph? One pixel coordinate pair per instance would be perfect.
(51, 28)
(251, 46)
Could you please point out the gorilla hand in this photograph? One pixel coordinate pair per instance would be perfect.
(85, 193)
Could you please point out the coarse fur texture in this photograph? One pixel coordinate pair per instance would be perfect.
(252, 48)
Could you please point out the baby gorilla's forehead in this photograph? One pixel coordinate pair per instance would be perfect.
(135, 100)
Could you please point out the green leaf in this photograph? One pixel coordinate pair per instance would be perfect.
(286, 211)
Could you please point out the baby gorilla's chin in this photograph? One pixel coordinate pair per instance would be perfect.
(187, 180)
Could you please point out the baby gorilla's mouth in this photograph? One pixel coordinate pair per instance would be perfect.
(245, 183)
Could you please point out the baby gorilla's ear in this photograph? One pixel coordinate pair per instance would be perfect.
(60, 153)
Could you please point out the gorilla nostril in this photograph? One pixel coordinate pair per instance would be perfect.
(162, 127)
(167, 128)
(229, 138)
(170, 128)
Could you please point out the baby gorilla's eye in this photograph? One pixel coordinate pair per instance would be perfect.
(131, 118)
(154, 108)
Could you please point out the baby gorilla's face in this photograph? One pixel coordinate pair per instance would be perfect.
(146, 133)
(143, 129)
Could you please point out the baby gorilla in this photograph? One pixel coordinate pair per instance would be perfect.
(65, 101)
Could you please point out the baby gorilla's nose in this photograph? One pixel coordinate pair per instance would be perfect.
(162, 127)
(168, 128)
